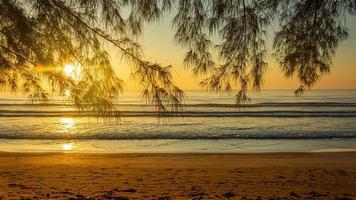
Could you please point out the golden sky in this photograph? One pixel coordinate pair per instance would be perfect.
(159, 46)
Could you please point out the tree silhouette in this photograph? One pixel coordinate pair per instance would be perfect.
(304, 44)
(37, 36)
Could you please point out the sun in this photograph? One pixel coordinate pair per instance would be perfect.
(68, 70)
(73, 71)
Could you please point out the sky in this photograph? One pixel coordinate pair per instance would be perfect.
(159, 46)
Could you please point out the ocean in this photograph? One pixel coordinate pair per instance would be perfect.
(274, 121)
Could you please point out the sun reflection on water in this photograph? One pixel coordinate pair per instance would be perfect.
(67, 125)
(66, 121)
(68, 146)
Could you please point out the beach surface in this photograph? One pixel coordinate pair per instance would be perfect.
(178, 176)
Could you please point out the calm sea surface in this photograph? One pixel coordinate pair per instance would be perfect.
(274, 121)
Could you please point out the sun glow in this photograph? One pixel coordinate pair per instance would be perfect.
(67, 93)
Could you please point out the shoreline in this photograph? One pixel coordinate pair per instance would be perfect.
(179, 146)
(320, 151)
(312, 175)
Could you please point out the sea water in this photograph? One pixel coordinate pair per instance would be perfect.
(274, 121)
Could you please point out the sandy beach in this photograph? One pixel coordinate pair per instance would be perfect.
(178, 176)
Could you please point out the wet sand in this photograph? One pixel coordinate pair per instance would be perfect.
(178, 176)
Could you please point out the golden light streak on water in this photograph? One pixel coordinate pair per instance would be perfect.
(68, 146)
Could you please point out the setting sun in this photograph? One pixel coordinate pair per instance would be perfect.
(68, 70)
(73, 71)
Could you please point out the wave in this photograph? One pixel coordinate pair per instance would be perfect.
(278, 104)
(203, 105)
(31, 113)
(178, 136)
